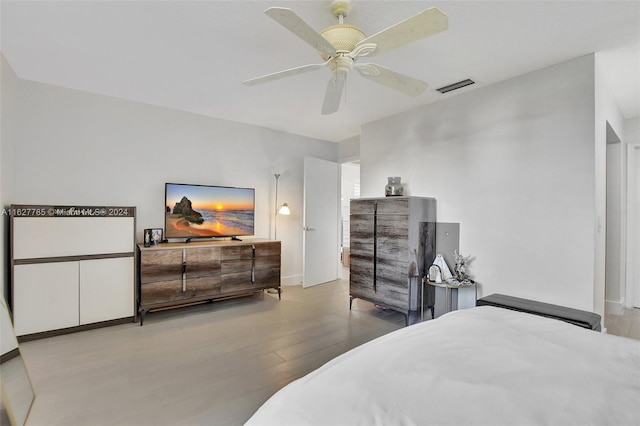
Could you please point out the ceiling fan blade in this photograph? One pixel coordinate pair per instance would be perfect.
(333, 94)
(392, 79)
(285, 73)
(288, 19)
(424, 24)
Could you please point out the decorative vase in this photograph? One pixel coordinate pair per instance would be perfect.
(394, 187)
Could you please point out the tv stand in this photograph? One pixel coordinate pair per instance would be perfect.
(235, 239)
(175, 274)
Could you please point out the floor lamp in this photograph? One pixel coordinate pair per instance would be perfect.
(280, 210)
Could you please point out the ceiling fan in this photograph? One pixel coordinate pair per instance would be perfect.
(341, 45)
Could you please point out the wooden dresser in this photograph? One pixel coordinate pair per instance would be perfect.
(174, 274)
(392, 242)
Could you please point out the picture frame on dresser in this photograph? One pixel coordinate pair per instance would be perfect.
(153, 236)
(156, 236)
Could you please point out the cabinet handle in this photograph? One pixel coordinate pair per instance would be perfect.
(184, 270)
(375, 246)
(253, 264)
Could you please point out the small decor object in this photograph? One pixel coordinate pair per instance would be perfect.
(413, 265)
(394, 187)
(156, 236)
(434, 274)
(152, 236)
(147, 237)
(460, 276)
(445, 272)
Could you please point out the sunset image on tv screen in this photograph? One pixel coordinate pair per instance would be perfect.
(208, 211)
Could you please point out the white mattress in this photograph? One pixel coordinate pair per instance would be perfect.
(480, 366)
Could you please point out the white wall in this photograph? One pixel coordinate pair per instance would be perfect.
(8, 133)
(607, 113)
(513, 163)
(80, 148)
(632, 141)
(613, 276)
(349, 149)
(632, 131)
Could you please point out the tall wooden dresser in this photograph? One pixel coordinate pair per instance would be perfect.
(392, 243)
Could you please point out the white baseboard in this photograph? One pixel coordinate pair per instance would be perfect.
(291, 280)
(615, 308)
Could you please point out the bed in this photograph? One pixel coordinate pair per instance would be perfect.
(480, 366)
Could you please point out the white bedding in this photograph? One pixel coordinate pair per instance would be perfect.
(485, 366)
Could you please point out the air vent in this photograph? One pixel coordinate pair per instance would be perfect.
(456, 86)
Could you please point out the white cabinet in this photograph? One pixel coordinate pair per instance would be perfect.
(45, 297)
(105, 289)
(72, 267)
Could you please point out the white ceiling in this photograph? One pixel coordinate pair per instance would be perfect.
(193, 55)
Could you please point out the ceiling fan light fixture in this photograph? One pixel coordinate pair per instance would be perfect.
(341, 65)
(342, 37)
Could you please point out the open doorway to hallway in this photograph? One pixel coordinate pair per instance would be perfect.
(615, 259)
(350, 188)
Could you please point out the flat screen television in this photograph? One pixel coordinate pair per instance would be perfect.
(204, 211)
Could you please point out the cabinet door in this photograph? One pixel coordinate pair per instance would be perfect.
(392, 266)
(361, 281)
(235, 268)
(106, 289)
(267, 265)
(160, 277)
(81, 236)
(203, 271)
(45, 297)
(268, 249)
(360, 206)
(392, 205)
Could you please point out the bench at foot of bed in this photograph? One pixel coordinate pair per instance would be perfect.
(574, 316)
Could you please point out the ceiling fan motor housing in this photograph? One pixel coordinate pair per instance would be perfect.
(340, 7)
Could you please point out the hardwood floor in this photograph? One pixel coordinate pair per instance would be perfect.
(626, 325)
(212, 364)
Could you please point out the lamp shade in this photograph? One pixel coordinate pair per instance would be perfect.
(284, 210)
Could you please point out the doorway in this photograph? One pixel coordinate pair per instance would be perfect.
(615, 259)
(633, 226)
(349, 189)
